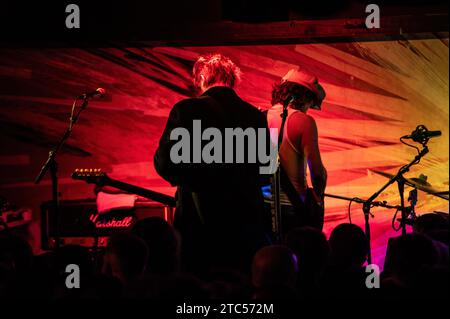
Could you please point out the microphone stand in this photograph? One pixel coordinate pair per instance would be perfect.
(277, 216)
(401, 187)
(52, 165)
(370, 203)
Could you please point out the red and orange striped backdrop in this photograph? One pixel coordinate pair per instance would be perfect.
(376, 92)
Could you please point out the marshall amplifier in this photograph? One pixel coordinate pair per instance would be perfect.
(81, 224)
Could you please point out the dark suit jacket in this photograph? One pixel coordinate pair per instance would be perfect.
(214, 196)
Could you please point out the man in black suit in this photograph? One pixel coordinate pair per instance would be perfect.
(220, 213)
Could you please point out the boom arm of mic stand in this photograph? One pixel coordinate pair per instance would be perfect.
(397, 178)
(362, 201)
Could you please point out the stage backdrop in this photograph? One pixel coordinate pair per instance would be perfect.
(376, 92)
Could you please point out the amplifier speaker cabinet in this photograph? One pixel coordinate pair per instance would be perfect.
(80, 223)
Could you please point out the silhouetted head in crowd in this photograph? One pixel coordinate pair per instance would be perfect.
(408, 255)
(274, 266)
(310, 246)
(163, 244)
(173, 287)
(441, 235)
(74, 254)
(228, 284)
(431, 224)
(348, 246)
(16, 254)
(125, 257)
(432, 282)
(16, 261)
(312, 250)
(92, 285)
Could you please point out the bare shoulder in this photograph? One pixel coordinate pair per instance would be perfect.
(305, 120)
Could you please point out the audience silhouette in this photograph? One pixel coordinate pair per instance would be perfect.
(145, 263)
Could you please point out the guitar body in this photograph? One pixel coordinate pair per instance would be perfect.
(309, 213)
(296, 213)
(304, 212)
(312, 212)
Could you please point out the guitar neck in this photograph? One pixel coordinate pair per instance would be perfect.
(158, 197)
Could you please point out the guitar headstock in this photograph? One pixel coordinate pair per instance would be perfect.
(90, 175)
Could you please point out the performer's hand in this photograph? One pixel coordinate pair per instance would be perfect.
(320, 200)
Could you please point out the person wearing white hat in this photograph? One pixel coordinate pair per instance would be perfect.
(299, 150)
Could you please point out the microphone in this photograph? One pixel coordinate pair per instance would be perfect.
(430, 134)
(289, 99)
(99, 93)
(421, 134)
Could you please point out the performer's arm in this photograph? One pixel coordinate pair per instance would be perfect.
(163, 164)
(310, 144)
(265, 178)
